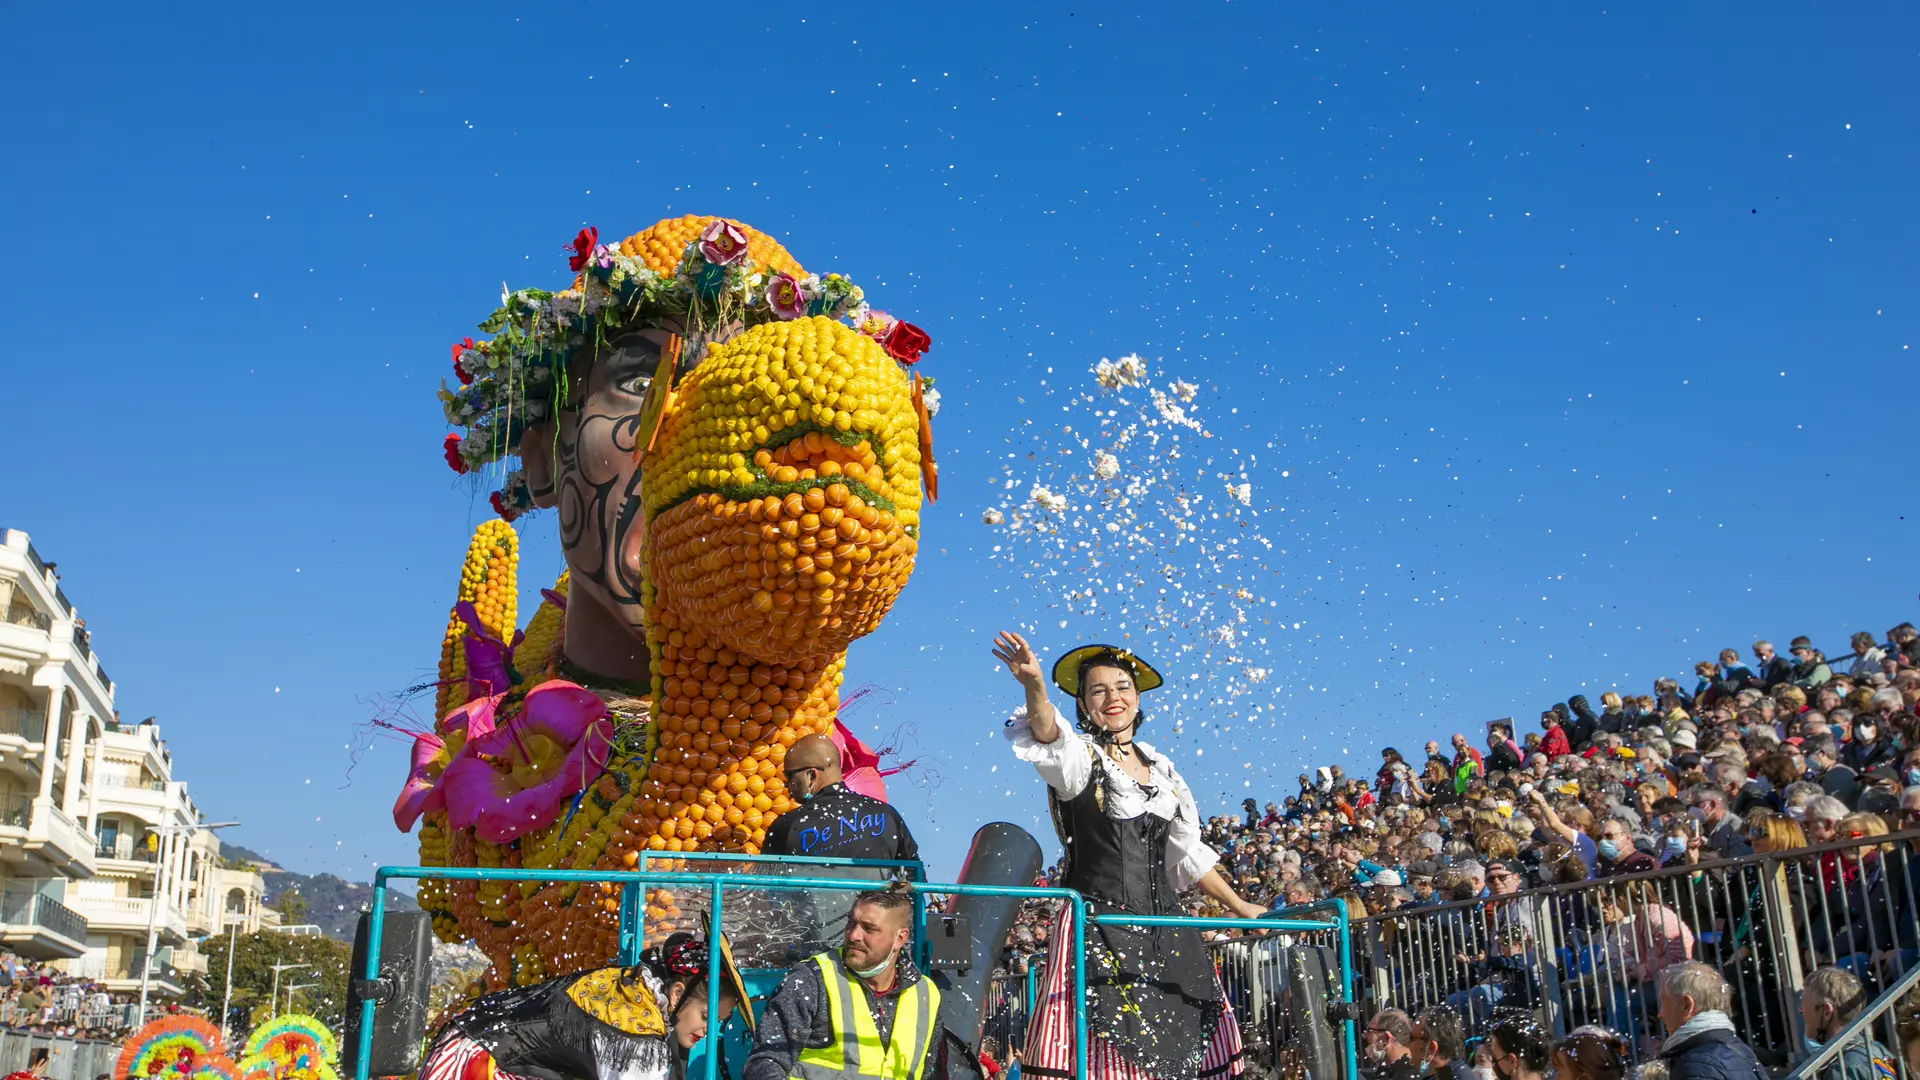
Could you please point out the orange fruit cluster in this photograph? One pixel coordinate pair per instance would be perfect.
(781, 578)
(662, 244)
(726, 722)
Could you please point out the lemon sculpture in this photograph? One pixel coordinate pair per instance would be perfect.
(737, 452)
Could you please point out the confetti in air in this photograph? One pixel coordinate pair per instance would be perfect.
(1139, 526)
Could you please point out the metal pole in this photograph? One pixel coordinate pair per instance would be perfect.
(226, 1003)
(153, 917)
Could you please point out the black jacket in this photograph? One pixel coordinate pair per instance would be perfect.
(841, 823)
(1712, 1055)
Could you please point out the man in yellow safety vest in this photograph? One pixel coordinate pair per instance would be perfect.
(863, 1010)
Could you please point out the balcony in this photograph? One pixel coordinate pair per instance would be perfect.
(34, 924)
(56, 838)
(26, 724)
(22, 615)
(129, 914)
(16, 811)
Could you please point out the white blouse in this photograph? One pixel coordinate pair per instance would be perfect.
(1067, 766)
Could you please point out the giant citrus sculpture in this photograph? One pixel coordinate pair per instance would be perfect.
(736, 451)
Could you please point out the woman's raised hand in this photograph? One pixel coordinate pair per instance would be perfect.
(1012, 650)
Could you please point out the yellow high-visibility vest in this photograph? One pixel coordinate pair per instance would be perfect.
(856, 1049)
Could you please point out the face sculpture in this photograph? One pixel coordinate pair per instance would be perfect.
(727, 536)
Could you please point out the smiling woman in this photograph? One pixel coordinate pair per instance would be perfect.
(1131, 834)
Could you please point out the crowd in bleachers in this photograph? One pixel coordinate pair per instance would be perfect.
(36, 998)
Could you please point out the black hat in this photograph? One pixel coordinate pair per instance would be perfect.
(1066, 670)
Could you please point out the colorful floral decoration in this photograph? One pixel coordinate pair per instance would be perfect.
(174, 1048)
(291, 1046)
(780, 497)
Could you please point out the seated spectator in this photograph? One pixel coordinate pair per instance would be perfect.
(1553, 740)
(1866, 656)
(1721, 830)
(1809, 671)
(1501, 980)
(1769, 670)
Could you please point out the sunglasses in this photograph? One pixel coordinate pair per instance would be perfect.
(791, 773)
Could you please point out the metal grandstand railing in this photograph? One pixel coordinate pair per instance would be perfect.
(1587, 952)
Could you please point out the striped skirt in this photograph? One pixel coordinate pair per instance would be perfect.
(1050, 1047)
(456, 1057)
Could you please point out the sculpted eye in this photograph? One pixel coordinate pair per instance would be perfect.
(631, 363)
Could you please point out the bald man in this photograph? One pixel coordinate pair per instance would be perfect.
(837, 822)
(832, 819)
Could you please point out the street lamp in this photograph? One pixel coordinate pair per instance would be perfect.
(233, 945)
(273, 1002)
(291, 987)
(153, 909)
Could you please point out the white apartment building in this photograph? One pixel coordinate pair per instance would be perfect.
(108, 848)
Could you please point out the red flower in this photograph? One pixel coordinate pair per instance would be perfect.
(905, 342)
(451, 447)
(500, 507)
(459, 347)
(582, 248)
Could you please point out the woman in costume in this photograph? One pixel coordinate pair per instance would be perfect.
(1132, 838)
(610, 1024)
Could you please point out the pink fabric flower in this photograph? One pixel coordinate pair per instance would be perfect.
(422, 793)
(722, 243)
(517, 777)
(785, 296)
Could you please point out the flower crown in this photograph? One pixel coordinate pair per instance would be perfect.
(519, 378)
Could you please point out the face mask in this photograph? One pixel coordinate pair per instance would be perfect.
(1913, 777)
(873, 972)
(1377, 1055)
(1609, 850)
(1485, 1074)
(1811, 1044)
(1696, 813)
(1675, 847)
(1866, 734)
(1799, 813)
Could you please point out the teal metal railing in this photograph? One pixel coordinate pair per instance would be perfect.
(631, 931)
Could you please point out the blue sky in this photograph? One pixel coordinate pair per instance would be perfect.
(1582, 336)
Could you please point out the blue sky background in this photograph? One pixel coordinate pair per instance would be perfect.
(1583, 336)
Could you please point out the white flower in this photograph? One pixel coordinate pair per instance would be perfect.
(992, 516)
(1047, 500)
(1105, 465)
(1242, 493)
(932, 399)
(1129, 370)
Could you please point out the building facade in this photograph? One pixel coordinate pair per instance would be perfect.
(101, 849)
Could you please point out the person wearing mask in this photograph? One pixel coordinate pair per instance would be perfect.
(1829, 1001)
(1871, 746)
(1387, 1042)
(1735, 675)
(1440, 1044)
(1553, 740)
(1701, 1042)
(1810, 671)
(865, 1002)
(1616, 854)
(1467, 765)
(1584, 725)
(1721, 830)
(1520, 1049)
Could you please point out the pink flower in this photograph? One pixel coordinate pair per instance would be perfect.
(722, 243)
(423, 792)
(785, 296)
(517, 777)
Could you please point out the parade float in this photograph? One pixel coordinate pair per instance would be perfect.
(175, 1048)
(736, 452)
